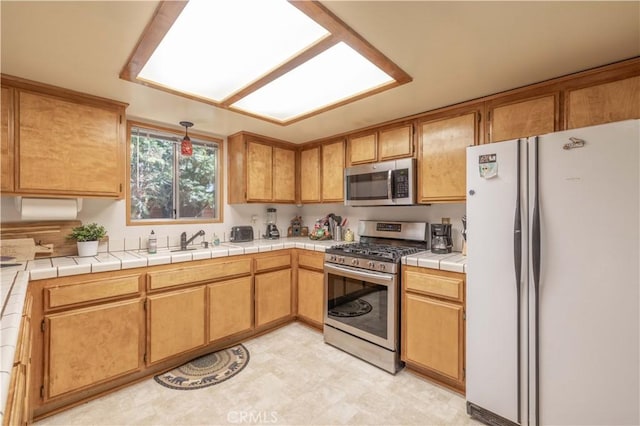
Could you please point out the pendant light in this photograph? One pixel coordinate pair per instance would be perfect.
(186, 148)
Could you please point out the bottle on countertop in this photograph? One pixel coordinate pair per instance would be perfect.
(216, 240)
(152, 246)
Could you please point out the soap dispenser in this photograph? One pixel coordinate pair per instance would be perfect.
(152, 246)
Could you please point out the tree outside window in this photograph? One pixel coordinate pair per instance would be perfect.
(167, 186)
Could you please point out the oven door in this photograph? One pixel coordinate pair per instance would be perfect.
(362, 303)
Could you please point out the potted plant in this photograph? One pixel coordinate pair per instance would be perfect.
(87, 237)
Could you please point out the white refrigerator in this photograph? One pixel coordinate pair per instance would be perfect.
(553, 318)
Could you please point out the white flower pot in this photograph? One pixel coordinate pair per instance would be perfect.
(87, 248)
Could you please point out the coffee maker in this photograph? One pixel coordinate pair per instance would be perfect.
(272, 230)
(441, 238)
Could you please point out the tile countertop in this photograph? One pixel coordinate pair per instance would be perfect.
(453, 262)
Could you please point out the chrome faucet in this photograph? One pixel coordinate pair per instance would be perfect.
(183, 239)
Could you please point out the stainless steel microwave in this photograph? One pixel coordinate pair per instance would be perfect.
(391, 183)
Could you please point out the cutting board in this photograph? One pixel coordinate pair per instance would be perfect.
(49, 237)
(19, 249)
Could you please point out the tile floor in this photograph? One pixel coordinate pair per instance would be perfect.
(293, 378)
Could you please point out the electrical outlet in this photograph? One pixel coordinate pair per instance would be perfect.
(254, 219)
(446, 220)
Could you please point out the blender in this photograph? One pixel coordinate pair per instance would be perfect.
(272, 230)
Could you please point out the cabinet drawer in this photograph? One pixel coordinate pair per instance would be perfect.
(273, 262)
(311, 260)
(186, 275)
(435, 285)
(91, 291)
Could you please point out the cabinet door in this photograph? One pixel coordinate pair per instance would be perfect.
(6, 140)
(175, 323)
(284, 175)
(259, 172)
(311, 295)
(230, 308)
(310, 175)
(442, 159)
(363, 149)
(396, 142)
(333, 172)
(87, 346)
(273, 296)
(68, 148)
(433, 335)
(523, 119)
(603, 103)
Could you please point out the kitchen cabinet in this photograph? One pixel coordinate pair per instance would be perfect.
(175, 323)
(17, 410)
(603, 103)
(261, 170)
(322, 173)
(386, 143)
(442, 155)
(66, 143)
(433, 329)
(310, 173)
(311, 288)
(333, 172)
(81, 315)
(230, 307)
(272, 297)
(520, 118)
(87, 346)
(6, 140)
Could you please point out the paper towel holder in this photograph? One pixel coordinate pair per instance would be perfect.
(18, 202)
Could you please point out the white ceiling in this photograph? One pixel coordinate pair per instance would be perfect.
(455, 51)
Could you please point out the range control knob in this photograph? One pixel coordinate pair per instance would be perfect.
(354, 262)
(382, 267)
(371, 264)
(341, 259)
(333, 258)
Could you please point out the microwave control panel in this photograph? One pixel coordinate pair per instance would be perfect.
(401, 183)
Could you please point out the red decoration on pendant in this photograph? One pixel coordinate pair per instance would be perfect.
(186, 148)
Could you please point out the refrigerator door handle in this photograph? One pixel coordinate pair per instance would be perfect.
(535, 264)
(517, 263)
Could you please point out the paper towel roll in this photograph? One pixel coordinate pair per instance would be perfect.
(48, 208)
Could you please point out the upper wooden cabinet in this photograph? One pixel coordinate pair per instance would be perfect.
(603, 103)
(333, 172)
(310, 173)
(260, 170)
(322, 173)
(511, 119)
(6, 140)
(64, 143)
(381, 144)
(442, 156)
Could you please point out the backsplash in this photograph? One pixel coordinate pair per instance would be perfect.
(111, 214)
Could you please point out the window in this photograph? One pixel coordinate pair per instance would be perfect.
(167, 186)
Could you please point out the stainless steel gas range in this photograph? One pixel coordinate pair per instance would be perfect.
(362, 290)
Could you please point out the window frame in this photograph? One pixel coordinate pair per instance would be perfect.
(179, 133)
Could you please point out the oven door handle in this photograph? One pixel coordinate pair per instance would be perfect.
(390, 185)
(357, 274)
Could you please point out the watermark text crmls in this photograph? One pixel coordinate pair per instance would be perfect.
(252, 417)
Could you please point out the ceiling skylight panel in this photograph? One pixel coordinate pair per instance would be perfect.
(334, 75)
(215, 48)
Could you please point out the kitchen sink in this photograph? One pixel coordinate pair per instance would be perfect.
(187, 249)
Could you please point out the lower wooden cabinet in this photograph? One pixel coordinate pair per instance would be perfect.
(84, 347)
(175, 323)
(272, 296)
(311, 296)
(230, 308)
(433, 325)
